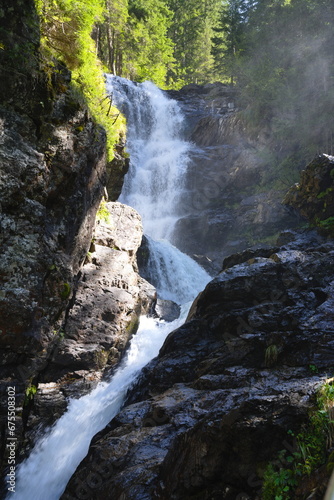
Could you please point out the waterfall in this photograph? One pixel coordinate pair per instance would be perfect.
(158, 155)
(154, 187)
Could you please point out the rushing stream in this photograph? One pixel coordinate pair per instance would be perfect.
(154, 187)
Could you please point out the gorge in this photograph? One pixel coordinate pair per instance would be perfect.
(233, 381)
(158, 142)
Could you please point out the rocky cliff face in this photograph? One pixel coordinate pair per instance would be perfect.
(61, 324)
(51, 182)
(218, 402)
(230, 203)
(313, 197)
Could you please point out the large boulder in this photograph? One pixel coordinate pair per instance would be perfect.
(103, 315)
(216, 405)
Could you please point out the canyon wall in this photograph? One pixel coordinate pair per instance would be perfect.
(70, 295)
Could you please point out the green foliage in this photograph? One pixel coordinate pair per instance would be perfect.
(323, 194)
(229, 40)
(282, 476)
(278, 483)
(59, 333)
(327, 223)
(271, 354)
(103, 213)
(66, 27)
(148, 50)
(65, 291)
(191, 32)
(29, 394)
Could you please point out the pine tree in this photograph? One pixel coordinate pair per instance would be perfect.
(191, 33)
(229, 40)
(148, 50)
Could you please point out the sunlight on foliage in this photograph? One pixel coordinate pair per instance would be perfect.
(103, 213)
(66, 27)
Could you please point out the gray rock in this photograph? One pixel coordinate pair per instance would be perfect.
(167, 310)
(226, 388)
(103, 315)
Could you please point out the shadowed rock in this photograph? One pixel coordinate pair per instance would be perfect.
(227, 386)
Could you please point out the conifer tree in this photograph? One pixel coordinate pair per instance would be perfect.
(229, 40)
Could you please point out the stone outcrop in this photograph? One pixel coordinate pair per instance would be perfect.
(313, 196)
(216, 405)
(116, 170)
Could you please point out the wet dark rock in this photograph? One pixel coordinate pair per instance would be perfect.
(167, 310)
(116, 170)
(217, 403)
(143, 255)
(248, 255)
(313, 197)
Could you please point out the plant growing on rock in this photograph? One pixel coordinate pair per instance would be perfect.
(283, 476)
(29, 394)
(103, 213)
(270, 356)
(66, 27)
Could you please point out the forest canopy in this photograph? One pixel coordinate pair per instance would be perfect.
(279, 54)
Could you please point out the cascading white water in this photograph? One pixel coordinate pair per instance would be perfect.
(159, 158)
(44, 475)
(155, 183)
(154, 188)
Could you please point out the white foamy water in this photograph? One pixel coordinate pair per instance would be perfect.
(158, 155)
(154, 187)
(175, 275)
(44, 475)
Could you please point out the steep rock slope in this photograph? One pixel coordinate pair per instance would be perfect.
(218, 402)
(52, 170)
(313, 196)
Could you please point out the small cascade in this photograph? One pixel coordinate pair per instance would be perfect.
(154, 187)
(176, 276)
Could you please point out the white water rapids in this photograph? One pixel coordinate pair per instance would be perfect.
(154, 187)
